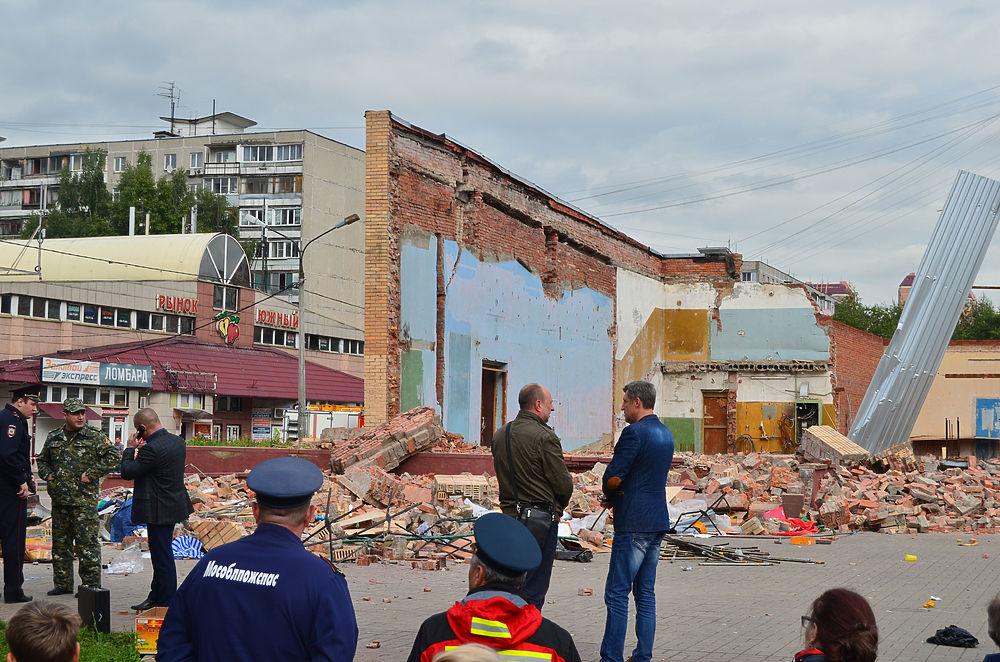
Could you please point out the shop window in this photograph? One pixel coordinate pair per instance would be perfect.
(6, 301)
(90, 314)
(226, 403)
(107, 316)
(72, 391)
(119, 397)
(232, 432)
(90, 396)
(187, 325)
(73, 311)
(190, 401)
(124, 318)
(54, 394)
(226, 298)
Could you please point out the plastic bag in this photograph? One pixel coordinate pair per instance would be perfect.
(128, 562)
(477, 510)
(593, 521)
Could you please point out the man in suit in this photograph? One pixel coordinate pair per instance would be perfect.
(155, 460)
(635, 487)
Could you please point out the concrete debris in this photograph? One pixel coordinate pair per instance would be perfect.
(387, 445)
(822, 442)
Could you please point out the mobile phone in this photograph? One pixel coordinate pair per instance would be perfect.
(140, 432)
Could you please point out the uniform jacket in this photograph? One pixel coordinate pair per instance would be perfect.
(542, 476)
(810, 655)
(641, 459)
(499, 620)
(68, 456)
(15, 450)
(263, 597)
(158, 471)
(994, 657)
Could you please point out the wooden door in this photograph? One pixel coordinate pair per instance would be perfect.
(713, 422)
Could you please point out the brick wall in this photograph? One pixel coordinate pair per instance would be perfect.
(855, 355)
(416, 179)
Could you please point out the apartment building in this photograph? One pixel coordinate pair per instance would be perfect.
(755, 271)
(290, 187)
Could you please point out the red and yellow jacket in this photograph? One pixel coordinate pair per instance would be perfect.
(499, 620)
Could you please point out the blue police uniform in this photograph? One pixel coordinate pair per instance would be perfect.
(263, 597)
(15, 470)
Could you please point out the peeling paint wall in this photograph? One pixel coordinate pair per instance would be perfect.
(499, 312)
(688, 324)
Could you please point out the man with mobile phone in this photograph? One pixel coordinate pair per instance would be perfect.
(155, 460)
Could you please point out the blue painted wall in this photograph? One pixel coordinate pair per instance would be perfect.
(988, 418)
(497, 311)
(777, 334)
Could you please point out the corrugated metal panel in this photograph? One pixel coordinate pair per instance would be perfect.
(949, 266)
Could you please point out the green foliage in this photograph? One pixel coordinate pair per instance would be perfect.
(979, 321)
(878, 319)
(83, 207)
(242, 442)
(94, 646)
(215, 214)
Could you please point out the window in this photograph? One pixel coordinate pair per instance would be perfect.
(197, 159)
(187, 325)
(222, 185)
(160, 322)
(266, 336)
(169, 162)
(52, 309)
(120, 162)
(90, 314)
(256, 185)
(24, 306)
(5, 303)
(288, 184)
(123, 318)
(89, 396)
(226, 298)
(337, 345)
(232, 432)
(226, 403)
(289, 152)
(282, 249)
(190, 401)
(195, 187)
(73, 311)
(54, 394)
(258, 153)
(107, 316)
(748, 276)
(286, 216)
(115, 195)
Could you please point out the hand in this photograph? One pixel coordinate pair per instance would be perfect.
(84, 478)
(22, 492)
(32, 488)
(134, 441)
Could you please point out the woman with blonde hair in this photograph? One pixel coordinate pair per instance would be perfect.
(467, 653)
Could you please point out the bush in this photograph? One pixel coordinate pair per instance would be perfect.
(242, 442)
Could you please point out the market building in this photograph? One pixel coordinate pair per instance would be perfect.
(165, 321)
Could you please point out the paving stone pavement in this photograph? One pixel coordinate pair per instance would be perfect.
(708, 613)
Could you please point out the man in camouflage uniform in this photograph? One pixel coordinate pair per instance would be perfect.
(73, 461)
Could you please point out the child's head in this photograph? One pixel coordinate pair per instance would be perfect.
(993, 619)
(43, 632)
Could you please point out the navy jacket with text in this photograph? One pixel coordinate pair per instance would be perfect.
(642, 459)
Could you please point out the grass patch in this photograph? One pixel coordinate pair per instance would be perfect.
(94, 646)
(244, 442)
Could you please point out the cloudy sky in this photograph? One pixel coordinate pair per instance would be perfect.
(822, 138)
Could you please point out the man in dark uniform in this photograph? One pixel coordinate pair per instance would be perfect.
(15, 484)
(155, 460)
(494, 613)
(265, 597)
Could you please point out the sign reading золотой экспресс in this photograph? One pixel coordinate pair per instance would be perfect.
(94, 373)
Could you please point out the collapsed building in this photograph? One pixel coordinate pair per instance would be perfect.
(478, 282)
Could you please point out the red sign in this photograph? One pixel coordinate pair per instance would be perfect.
(173, 304)
(280, 320)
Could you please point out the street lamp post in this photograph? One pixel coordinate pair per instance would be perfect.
(353, 218)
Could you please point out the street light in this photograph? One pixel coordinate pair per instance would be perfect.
(353, 218)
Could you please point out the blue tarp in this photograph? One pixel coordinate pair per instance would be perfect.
(121, 522)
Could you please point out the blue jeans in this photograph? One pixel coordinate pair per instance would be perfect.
(633, 568)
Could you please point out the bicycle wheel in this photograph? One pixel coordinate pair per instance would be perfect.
(743, 445)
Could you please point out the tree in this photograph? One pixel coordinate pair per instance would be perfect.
(136, 188)
(215, 214)
(83, 208)
(981, 321)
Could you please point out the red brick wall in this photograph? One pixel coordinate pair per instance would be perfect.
(855, 355)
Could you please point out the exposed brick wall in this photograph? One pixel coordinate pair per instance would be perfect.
(855, 355)
(415, 179)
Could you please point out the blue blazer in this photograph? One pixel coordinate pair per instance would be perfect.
(642, 459)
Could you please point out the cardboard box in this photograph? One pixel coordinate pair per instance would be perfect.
(147, 629)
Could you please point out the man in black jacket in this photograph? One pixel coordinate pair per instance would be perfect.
(155, 460)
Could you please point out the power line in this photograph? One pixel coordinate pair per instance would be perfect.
(327, 296)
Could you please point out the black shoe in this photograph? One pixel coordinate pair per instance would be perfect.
(21, 598)
(143, 606)
(59, 591)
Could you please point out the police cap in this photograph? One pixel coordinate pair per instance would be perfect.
(505, 544)
(29, 391)
(73, 405)
(285, 482)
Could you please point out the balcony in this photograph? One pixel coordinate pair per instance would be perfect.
(215, 169)
(272, 168)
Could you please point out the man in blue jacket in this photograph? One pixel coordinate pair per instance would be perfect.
(635, 487)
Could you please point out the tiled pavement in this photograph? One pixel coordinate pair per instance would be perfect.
(708, 613)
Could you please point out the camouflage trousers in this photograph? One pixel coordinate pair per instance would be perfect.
(74, 530)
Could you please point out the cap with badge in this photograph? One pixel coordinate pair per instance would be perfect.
(29, 391)
(73, 405)
(505, 544)
(285, 482)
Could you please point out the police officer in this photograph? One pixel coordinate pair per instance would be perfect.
(15, 484)
(73, 461)
(495, 613)
(265, 597)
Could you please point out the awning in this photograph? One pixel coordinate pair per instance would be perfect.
(193, 414)
(55, 410)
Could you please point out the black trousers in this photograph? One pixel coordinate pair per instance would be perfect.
(164, 584)
(13, 518)
(536, 584)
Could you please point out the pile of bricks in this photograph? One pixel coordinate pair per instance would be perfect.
(389, 444)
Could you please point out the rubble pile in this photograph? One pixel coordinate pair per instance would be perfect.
(390, 443)
(900, 495)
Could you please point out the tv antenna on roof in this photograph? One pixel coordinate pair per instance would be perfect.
(168, 90)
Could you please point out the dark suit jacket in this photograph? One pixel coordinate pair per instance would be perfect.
(642, 459)
(158, 471)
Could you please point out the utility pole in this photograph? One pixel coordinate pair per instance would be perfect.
(303, 412)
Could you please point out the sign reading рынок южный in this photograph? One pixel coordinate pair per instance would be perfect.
(94, 373)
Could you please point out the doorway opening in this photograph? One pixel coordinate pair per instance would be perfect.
(714, 422)
(493, 407)
(807, 414)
